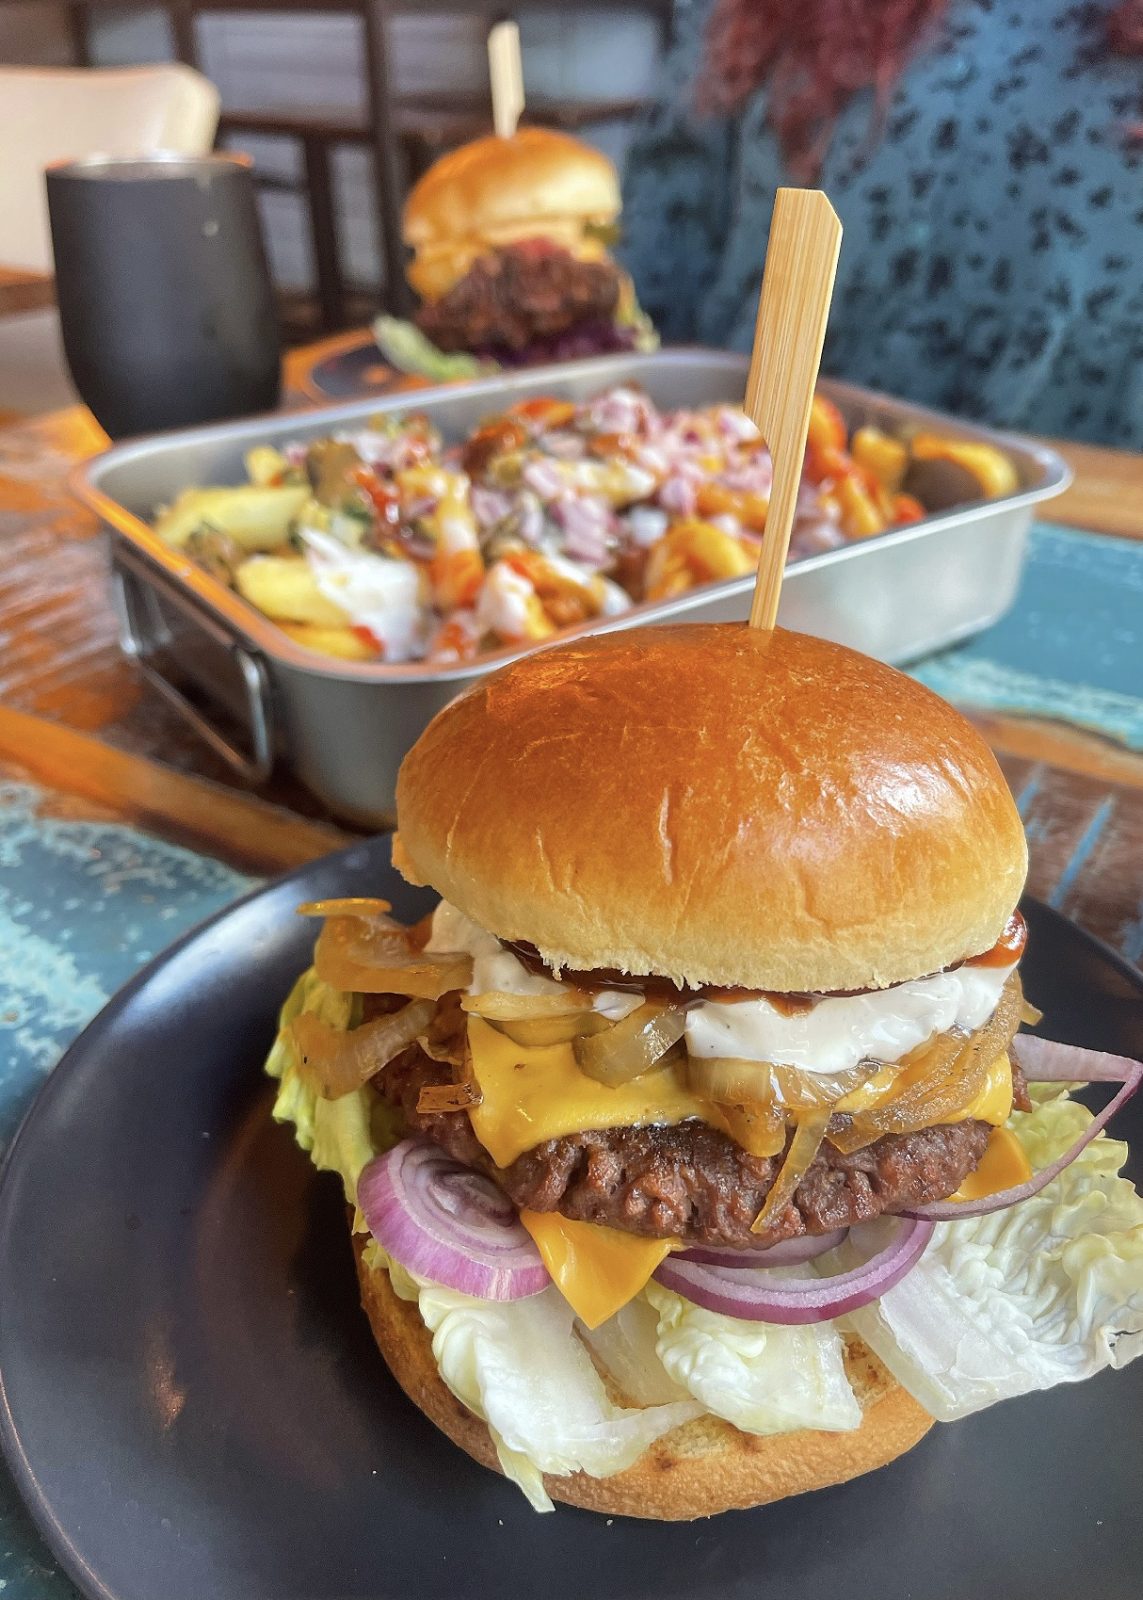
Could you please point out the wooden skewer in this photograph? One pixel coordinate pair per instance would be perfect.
(507, 74)
(793, 308)
(223, 821)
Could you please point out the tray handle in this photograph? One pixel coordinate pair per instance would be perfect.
(140, 630)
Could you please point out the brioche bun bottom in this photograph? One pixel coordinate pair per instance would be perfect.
(704, 1467)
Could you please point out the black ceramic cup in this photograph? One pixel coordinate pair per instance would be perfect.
(164, 293)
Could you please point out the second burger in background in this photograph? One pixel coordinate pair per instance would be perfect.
(511, 261)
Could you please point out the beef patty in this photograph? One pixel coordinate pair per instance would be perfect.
(694, 1183)
(515, 295)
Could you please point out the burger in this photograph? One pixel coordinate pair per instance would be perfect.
(691, 1156)
(511, 262)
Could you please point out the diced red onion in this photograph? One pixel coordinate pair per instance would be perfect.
(489, 506)
(619, 411)
(449, 1224)
(1047, 1061)
(735, 424)
(543, 478)
(654, 460)
(751, 477)
(586, 523)
(566, 445)
(787, 1253)
(758, 1297)
(678, 495)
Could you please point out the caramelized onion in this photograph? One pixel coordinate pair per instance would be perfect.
(437, 1097)
(763, 1084)
(335, 1062)
(630, 1047)
(535, 1032)
(933, 1087)
(1031, 1014)
(804, 1146)
(760, 1133)
(497, 1006)
(369, 955)
(351, 906)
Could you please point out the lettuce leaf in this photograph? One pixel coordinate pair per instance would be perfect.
(762, 1377)
(625, 1346)
(340, 1135)
(405, 347)
(1048, 1291)
(518, 1365)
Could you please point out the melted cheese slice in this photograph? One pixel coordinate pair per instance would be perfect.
(534, 1094)
(596, 1269)
(1003, 1165)
(530, 1095)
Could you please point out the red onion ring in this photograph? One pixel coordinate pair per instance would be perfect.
(1047, 1061)
(447, 1223)
(787, 1253)
(757, 1297)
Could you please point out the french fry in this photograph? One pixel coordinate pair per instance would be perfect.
(286, 590)
(258, 518)
(343, 643)
(694, 552)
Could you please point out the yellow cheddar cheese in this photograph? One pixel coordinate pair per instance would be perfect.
(596, 1269)
(1003, 1165)
(529, 1095)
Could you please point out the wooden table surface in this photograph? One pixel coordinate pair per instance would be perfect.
(1082, 796)
(21, 289)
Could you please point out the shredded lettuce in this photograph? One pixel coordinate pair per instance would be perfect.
(405, 347)
(1047, 1291)
(762, 1377)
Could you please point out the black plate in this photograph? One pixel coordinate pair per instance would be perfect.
(352, 372)
(193, 1405)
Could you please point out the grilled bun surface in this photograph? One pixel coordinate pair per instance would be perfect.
(496, 191)
(715, 805)
(698, 1470)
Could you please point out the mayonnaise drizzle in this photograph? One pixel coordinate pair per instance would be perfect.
(832, 1035)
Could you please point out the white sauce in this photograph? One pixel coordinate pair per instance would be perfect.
(838, 1033)
(833, 1035)
(374, 592)
(494, 968)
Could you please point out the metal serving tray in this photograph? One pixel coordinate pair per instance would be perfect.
(343, 727)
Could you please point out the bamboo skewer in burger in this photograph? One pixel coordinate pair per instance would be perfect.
(506, 75)
(793, 309)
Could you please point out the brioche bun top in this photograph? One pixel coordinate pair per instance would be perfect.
(716, 805)
(497, 191)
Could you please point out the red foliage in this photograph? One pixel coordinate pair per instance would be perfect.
(818, 53)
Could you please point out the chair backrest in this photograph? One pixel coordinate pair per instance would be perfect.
(59, 115)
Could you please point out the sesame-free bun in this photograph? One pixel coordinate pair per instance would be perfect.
(497, 191)
(702, 1468)
(717, 805)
